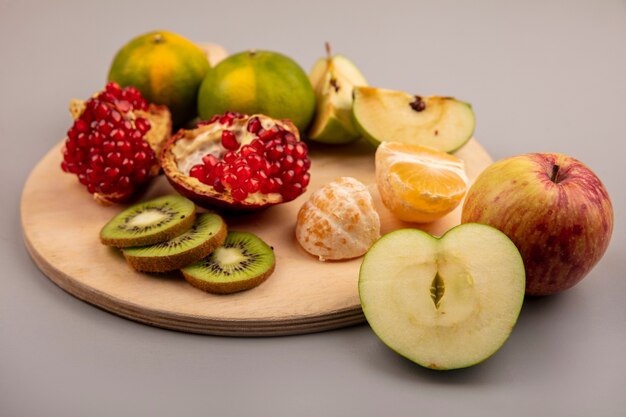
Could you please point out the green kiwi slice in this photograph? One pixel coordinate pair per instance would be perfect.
(149, 222)
(205, 235)
(242, 262)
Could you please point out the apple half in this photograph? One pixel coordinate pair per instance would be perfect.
(333, 79)
(443, 303)
(384, 115)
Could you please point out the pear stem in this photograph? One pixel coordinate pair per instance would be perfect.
(328, 50)
(555, 173)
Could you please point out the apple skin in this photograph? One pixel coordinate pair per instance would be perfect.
(562, 228)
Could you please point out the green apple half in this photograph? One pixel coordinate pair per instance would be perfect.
(333, 79)
(384, 115)
(443, 303)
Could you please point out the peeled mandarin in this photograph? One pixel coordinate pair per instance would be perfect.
(338, 221)
(417, 183)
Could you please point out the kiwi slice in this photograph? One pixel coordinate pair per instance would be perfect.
(242, 262)
(206, 234)
(149, 222)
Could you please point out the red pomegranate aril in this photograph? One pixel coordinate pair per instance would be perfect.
(114, 89)
(254, 125)
(124, 184)
(289, 137)
(267, 186)
(123, 105)
(239, 194)
(255, 161)
(101, 111)
(218, 186)
(197, 171)
(82, 140)
(230, 157)
(210, 160)
(275, 153)
(268, 134)
(230, 179)
(292, 191)
(243, 172)
(287, 162)
(127, 166)
(261, 176)
(299, 151)
(289, 148)
(111, 172)
(81, 126)
(304, 179)
(142, 125)
(114, 158)
(247, 150)
(251, 185)
(229, 140)
(298, 166)
(115, 117)
(288, 176)
(274, 168)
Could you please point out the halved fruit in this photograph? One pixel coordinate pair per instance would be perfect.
(238, 162)
(417, 183)
(207, 233)
(149, 222)
(383, 115)
(241, 263)
(443, 303)
(333, 79)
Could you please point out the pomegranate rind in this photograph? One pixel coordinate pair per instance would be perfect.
(205, 195)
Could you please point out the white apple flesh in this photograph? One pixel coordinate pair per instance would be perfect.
(444, 303)
(553, 207)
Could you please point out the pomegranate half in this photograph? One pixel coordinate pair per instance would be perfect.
(238, 162)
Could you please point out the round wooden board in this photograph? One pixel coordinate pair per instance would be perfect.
(61, 225)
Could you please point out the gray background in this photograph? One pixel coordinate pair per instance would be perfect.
(542, 76)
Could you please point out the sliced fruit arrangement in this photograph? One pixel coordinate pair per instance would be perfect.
(111, 145)
(384, 115)
(238, 161)
(150, 222)
(444, 303)
(258, 81)
(205, 235)
(243, 262)
(166, 68)
(333, 79)
(165, 234)
(418, 183)
(338, 221)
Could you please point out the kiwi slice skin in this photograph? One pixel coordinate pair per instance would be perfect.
(175, 215)
(192, 246)
(258, 264)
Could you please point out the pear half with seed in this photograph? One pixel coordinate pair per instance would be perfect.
(443, 303)
(384, 115)
(333, 79)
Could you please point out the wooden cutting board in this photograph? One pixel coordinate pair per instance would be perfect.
(61, 225)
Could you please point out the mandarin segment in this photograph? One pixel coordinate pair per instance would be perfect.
(419, 184)
(338, 221)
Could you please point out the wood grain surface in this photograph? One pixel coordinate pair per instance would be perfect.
(61, 223)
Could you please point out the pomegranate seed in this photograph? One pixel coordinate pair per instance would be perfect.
(113, 88)
(83, 140)
(288, 176)
(274, 168)
(127, 166)
(218, 186)
(251, 185)
(210, 160)
(111, 172)
(243, 172)
(298, 166)
(239, 194)
(304, 180)
(289, 137)
(255, 161)
(275, 152)
(287, 162)
(230, 157)
(299, 151)
(254, 125)
(230, 179)
(197, 171)
(247, 150)
(229, 140)
(81, 126)
(258, 145)
(292, 191)
(123, 105)
(267, 186)
(142, 125)
(268, 134)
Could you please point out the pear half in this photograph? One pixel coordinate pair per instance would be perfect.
(333, 79)
(443, 303)
(384, 115)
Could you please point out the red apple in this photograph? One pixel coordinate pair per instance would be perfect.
(555, 210)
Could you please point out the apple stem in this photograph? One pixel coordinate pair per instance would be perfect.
(555, 173)
(328, 50)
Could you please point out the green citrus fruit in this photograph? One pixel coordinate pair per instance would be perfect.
(167, 68)
(258, 82)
